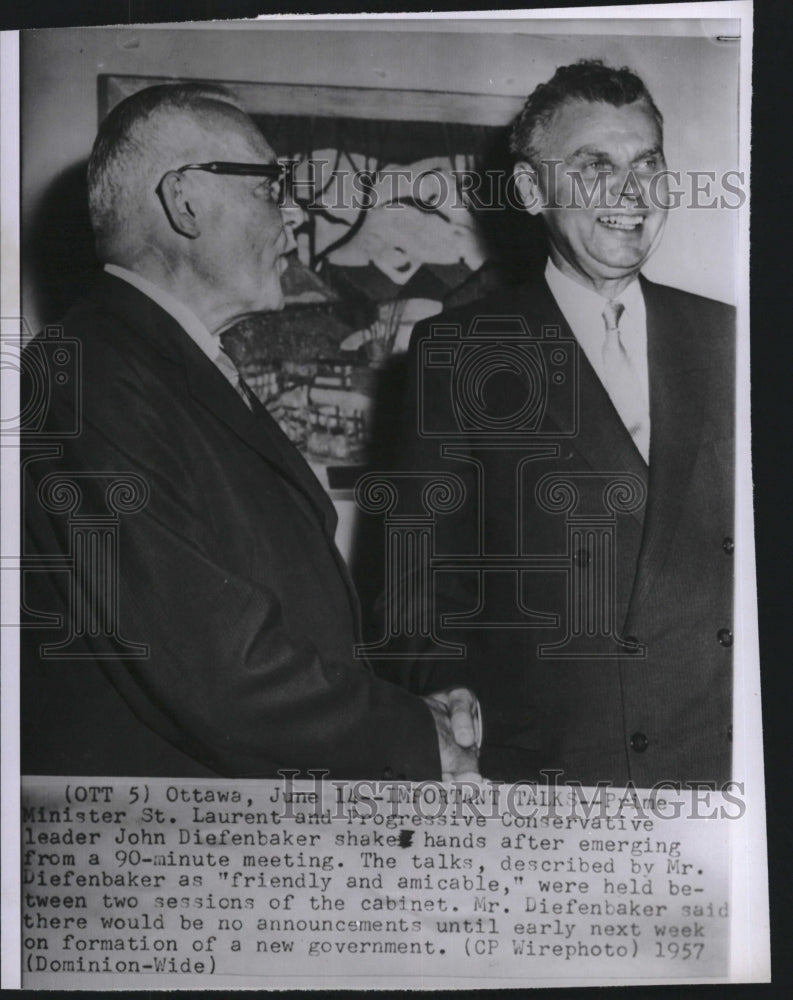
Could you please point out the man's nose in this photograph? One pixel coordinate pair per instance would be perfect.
(624, 186)
(293, 215)
(617, 181)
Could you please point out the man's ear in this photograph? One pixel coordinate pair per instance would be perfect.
(177, 207)
(528, 187)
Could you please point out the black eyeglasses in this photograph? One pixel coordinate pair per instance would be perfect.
(275, 171)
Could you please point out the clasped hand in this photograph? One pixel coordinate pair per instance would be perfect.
(456, 714)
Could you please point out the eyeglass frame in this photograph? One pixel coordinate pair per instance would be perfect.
(277, 172)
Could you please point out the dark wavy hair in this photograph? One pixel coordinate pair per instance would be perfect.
(586, 80)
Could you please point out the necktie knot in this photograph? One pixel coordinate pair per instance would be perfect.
(612, 314)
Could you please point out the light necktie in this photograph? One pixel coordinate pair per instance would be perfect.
(622, 380)
(230, 371)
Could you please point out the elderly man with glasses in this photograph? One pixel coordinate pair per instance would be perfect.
(215, 635)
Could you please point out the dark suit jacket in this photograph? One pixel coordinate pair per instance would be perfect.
(645, 711)
(228, 577)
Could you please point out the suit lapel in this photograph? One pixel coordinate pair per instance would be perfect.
(676, 419)
(601, 439)
(257, 428)
(209, 388)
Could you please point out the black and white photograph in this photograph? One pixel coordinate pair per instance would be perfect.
(376, 450)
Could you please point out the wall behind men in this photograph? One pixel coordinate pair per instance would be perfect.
(692, 76)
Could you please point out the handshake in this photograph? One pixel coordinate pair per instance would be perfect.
(459, 727)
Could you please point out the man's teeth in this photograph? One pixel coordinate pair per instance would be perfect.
(621, 221)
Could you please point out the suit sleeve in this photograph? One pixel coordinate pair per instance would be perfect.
(224, 679)
(417, 451)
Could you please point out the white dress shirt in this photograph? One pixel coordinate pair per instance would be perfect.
(583, 310)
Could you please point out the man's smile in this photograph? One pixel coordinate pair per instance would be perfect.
(628, 221)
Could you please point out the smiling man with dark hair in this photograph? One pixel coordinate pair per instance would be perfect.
(595, 443)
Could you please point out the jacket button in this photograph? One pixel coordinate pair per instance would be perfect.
(728, 545)
(630, 645)
(724, 636)
(729, 733)
(639, 742)
(582, 558)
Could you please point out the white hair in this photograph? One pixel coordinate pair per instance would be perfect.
(143, 137)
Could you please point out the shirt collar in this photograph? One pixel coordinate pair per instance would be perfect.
(185, 317)
(571, 294)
